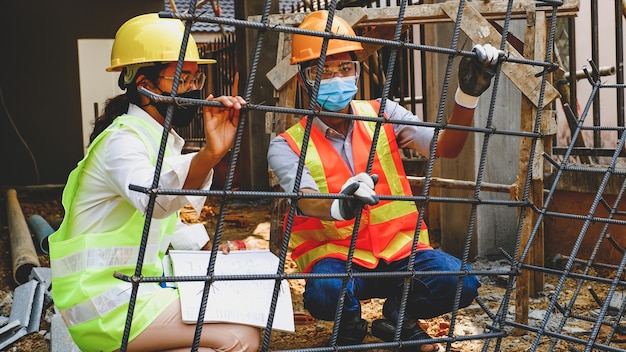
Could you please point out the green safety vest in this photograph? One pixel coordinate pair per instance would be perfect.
(93, 303)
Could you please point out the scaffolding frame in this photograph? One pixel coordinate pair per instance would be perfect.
(531, 200)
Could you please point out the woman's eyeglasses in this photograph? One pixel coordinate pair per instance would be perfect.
(187, 80)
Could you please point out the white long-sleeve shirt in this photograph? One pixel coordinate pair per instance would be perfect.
(105, 202)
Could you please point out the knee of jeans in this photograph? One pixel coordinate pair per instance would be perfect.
(320, 311)
(331, 287)
(470, 290)
(321, 297)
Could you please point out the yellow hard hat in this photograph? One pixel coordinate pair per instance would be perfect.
(149, 38)
(306, 47)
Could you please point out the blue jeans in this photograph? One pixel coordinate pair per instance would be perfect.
(429, 296)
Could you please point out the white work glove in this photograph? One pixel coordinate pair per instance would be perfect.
(362, 187)
(475, 74)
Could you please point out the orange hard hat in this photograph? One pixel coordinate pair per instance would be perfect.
(306, 47)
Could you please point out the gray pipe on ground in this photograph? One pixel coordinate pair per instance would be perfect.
(23, 251)
(41, 229)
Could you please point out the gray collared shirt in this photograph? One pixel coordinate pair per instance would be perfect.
(283, 161)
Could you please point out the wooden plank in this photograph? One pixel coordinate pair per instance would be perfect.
(282, 73)
(539, 53)
(383, 32)
(286, 97)
(435, 13)
(287, 93)
(529, 283)
(522, 283)
(544, 144)
(538, 253)
(429, 13)
(480, 31)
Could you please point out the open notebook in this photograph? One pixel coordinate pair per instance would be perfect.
(237, 301)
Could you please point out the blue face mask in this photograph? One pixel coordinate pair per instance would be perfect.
(336, 93)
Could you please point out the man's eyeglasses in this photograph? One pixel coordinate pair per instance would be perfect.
(187, 80)
(340, 68)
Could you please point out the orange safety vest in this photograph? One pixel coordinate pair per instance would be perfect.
(387, 229)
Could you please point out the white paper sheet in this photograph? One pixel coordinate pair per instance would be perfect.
(236, 301)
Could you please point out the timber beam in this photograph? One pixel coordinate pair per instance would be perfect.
(429, 13)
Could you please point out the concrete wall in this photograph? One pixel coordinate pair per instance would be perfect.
(497, 225)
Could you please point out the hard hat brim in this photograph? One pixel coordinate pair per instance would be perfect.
(118, 68)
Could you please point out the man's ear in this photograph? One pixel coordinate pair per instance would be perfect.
(301, 81)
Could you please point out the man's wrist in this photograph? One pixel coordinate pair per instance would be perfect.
(465, 100)
(335, 212)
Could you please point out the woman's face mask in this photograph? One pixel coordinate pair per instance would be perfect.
(183, 115)
(336, 93)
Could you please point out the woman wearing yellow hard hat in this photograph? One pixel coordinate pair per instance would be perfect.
(102, 229)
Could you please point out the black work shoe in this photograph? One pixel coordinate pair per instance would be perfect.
(352, 332)
(385, 330)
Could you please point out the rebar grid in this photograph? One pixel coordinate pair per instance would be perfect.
(501, 322)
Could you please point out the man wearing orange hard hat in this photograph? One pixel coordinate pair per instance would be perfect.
(337, 157)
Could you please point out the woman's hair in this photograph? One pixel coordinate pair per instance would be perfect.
(118, 105)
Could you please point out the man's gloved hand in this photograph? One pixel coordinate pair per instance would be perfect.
(475, 73)
(362, 187)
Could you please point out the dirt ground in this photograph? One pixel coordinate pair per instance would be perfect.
(250, 221)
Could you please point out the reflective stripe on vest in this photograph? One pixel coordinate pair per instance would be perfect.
(104, 303)
(387, 229)
(101, 258)
(91, 300)
(313, 161)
